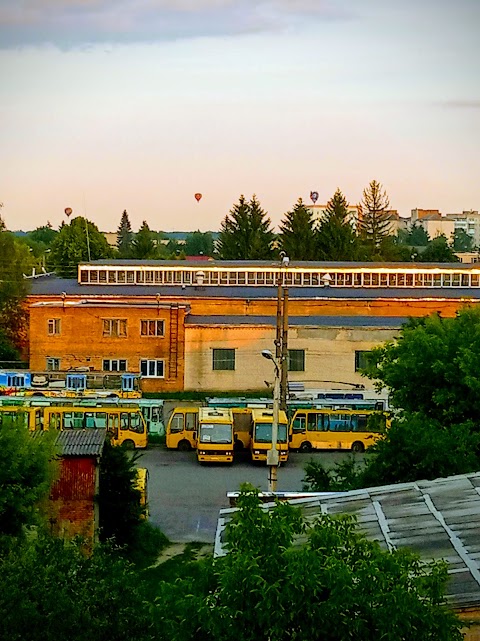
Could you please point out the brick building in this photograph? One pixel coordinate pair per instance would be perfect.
(73, 510)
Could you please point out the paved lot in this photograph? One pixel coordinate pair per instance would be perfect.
(185, 497)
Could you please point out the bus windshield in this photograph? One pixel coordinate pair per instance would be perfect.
(263, 433)
(216, 433)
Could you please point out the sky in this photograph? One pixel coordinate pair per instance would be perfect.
(107, 105)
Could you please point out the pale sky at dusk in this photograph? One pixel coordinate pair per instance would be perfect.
(108, 105)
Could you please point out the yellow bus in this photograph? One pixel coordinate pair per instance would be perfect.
(261, 441)
(182, 428)
(126, 424)
(324, 429)
(141, 484)
(30, 417)
(215, 435)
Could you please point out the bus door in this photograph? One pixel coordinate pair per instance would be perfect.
(182, 429)
(133, 430)
(242, 428)
(114, 426)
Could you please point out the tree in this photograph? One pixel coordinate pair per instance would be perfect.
(119, 500)
(336, 237)
(297, 235)
(337, 586)
(51, 590)
(43, 235)
(26, 473)
(80, 241)
(15, 260)
(418, 237)
(462, 242)
(124, 236)
(198, 243)
(438, 251)
(143, 245)
(375, 222)
(245, 233)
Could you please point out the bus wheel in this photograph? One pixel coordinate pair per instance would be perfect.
(184, 446)
(306, 446)
(358, 446)
(128, 444)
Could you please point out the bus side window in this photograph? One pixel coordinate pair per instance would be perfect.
(136, 424)
(312, 425)
(359, 423)
(100, 420)
(124, 421)
(299, 423)
(68, 421)
(89, 420)
(177, 422)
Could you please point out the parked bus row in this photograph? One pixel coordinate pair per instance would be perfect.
(217, 433)
(151, 408)
(126, 425)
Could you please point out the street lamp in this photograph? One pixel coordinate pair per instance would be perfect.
(272, 454)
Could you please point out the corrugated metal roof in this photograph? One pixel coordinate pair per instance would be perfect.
(81, 442)
(78, 442)
(51, 286)
(303, 321)
(438, 519)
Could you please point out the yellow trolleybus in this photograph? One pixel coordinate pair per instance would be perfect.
(325, 429)
(126, 424)
(30, 417)
(215, 435)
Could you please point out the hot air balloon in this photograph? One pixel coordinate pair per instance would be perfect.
(198, 197)
(314, 196)
(68, 211)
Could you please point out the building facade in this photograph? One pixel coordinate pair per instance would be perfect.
(202, 326)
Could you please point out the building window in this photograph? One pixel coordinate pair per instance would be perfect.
(362, 360)
(53, 326)
(152, 368)
(114, 365)
(296, 360)
(152, 328)
(115, 327)
(53, 364)
(224, 359)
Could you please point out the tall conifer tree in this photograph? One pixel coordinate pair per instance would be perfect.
(246, 233)
(375, 223)
(297, 234)
(336, 237)
(125, 236)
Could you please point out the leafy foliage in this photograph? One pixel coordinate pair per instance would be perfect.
(438, 251)
(462, 242)
(246, 233)
(79, 241)
(15, 260)
(337, 586)
(51, 591)
(26, 473)
(297, 234)
(144, 245)
(336, 237)
(199, 244)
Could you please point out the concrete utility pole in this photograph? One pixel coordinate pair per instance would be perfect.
(280, 362)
